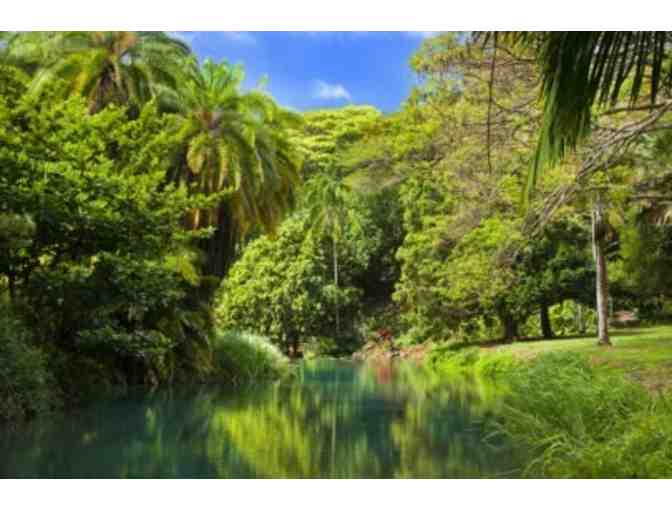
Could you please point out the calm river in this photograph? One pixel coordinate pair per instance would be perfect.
(335, 419)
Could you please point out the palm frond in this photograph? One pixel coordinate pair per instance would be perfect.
(582, 70)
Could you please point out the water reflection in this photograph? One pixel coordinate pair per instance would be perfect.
(336, 419)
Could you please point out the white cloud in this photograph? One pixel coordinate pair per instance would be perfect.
(186, 37)
(240, 37)
(422, 35)
(237, 37)
(331, 91)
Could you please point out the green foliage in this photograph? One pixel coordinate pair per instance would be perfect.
(383, 209)
(447, 360)
(647, 254)
(583, 70)
(447, 279)
(26, 384)
(245, 357)
(235, 147)
(92, 231)
(578, 420)
(320, 347)
(468, 272)
(380, 319)
(327, 133)
(568, 317)
(643, 451)
(282, 287)
(104, 67)
(460, 210)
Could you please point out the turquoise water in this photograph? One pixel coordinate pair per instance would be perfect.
(333, 420)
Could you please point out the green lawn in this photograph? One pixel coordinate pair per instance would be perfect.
(645, 354)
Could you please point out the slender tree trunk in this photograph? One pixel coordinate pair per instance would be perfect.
(11, 280)
(338, 313)
(602, 282)
(580, 323)
(295, 346)
(510, 326)
(546, 329)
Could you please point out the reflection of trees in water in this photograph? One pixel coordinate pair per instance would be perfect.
(293, 432)
(338, 420)
(337, 425)
(150, 436)
(440, 431)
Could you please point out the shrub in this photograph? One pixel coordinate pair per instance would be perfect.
(321, 346)
(378, 319)
(26, 385)
(83, 379)
(282, 288)
(244, 357)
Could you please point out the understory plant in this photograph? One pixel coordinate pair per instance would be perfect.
(26, 384)
(245, 357)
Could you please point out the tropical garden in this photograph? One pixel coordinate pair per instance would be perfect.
(165, 229)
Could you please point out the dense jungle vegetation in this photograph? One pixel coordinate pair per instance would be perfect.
(161, 224)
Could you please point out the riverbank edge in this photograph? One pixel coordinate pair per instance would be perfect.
(642, 354)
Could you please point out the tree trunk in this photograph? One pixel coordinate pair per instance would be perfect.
(338, 313)
(602, 283)
(546, 329)
(580, 322)
(11, 280)
(219, 250)
(510, 326)
(295, 346)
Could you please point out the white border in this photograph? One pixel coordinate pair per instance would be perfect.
(334, 494)
(420, 15)
(312, 15)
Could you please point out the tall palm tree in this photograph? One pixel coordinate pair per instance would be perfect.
(326, 199)
(236, 145)
(104, 67)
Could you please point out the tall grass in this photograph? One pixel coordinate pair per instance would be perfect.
(450, 361)
(572, 419)
(245, 357)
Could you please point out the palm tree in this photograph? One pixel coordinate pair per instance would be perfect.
(235, 145)
(104, 67)
(326, 198)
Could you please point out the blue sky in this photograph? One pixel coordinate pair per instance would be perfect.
(311, 70)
